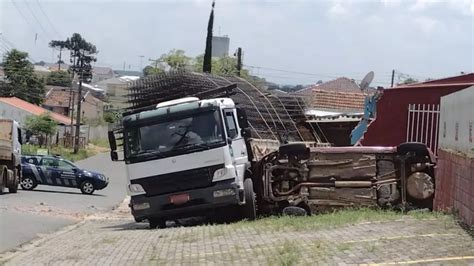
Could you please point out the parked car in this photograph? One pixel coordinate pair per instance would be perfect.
(56, 171)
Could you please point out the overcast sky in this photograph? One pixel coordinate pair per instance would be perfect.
(323, 39)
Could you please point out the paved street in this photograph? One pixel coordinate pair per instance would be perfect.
(46, 209)
(114, 239)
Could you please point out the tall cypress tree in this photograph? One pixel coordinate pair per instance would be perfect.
(207, 64)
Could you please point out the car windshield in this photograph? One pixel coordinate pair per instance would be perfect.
(179, 135)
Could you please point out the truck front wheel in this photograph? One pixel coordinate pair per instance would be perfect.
(157, 223)
(249, 210)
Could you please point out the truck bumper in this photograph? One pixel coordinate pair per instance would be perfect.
(200, 202)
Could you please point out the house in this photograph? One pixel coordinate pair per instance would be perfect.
(334, 109)
(120, 73)
(18, 109)
(61, 99)
(411, 112)
(116, 90)
(101, 73)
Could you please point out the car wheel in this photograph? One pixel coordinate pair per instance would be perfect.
(249, 210)
(87, 187)
(28, 183)
(157, 223)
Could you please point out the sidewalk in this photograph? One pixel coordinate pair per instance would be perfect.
(115, 239)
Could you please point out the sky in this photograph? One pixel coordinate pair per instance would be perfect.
(285, 41)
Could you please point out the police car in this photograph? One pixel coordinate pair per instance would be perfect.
(56, 171)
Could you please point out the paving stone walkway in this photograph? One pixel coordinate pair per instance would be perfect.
(114, 239)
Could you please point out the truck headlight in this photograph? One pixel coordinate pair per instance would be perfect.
(224, 192)
(219, 173)
(136, 188)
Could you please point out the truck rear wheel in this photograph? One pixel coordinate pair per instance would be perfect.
(14, 187)
(249, 210)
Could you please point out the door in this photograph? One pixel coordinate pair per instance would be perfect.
(68, 173)
(239, 149)
(50, 171)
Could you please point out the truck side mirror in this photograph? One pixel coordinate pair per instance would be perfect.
(242, 118)
(112, 142)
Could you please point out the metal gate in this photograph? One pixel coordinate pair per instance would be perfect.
(423, 124)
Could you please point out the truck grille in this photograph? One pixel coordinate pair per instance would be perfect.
(179, 181)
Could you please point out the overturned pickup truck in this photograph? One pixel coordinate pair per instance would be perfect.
(317, 179)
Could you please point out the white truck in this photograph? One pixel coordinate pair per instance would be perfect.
(189, 157)
(10, 155)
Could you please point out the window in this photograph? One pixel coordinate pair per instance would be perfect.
(50, 162)
(66, 166)
(230, 124)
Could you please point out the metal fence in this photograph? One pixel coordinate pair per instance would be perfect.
(423, 124)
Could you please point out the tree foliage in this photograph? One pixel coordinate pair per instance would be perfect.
(21, 81)
(59, 78)
(409, 80)
(207, 59)
(175, 59)
(41, 125)
(150, 70)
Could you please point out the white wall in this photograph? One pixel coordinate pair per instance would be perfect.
(456, 127)
(11, 112)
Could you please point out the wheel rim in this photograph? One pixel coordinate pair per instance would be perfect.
(88, 187)
(27, 183)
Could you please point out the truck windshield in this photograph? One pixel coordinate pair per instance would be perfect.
(176, 136)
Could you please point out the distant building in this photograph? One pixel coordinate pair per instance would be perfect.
(116, 90)
(120, 73)
(101, 73)
(334, 109)
(220, 46)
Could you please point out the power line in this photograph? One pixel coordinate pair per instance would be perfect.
(23, 16)
(37, 20)
(49, 21)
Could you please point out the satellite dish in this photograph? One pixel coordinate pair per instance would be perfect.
(364, 84)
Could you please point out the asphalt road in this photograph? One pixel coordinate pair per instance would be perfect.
(46, 209)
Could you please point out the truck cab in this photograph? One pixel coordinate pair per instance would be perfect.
(186, 157)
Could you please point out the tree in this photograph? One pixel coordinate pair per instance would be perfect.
(150, 70)
(81, 57)
(409, 80)
(207, 62)
(175, 59)
(41, 125)
(61, 45)
(59, 78)
(21, 81)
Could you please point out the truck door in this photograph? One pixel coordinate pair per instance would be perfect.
(238, 143)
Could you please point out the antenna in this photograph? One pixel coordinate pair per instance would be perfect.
(364, 84)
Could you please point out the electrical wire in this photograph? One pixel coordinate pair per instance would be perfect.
(37, 20)
(49, 21)
(23, 16)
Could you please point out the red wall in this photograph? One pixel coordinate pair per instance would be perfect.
(455, 185)
(390, 126)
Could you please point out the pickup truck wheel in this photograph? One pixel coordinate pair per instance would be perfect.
(249, 210)
(87, 188)
(157, 223)
(28, 183)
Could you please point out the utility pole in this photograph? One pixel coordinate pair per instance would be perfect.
(239, 61)
(141, 62)
(393, 76)
(79, 100)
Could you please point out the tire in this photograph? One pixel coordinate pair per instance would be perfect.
(249, 209)
(14, 188)
(157, 223)
(418, 148)
(28, 183)
(87, 187)
(295, 149)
